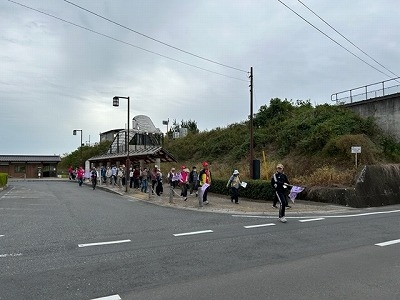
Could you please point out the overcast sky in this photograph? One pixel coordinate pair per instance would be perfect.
(56, 76)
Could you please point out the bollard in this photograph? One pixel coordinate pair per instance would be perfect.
(200, 195)
(171, 194)
(149, 190)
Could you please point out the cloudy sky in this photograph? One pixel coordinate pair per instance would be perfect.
(60, 65)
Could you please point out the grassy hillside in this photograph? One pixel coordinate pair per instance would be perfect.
(312, 142)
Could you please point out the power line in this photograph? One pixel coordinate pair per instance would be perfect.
(153, 39)
(347, 39)
(123, 42)
(355, 55)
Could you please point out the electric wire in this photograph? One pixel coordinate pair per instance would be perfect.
(355, 55)
(123, 42)
(346, 38)
(153, 39)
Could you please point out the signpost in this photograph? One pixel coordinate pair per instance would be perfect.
(356, 150)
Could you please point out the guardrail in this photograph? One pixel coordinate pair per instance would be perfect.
(373, 90)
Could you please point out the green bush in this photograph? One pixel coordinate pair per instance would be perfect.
(3, 179)
(255, 190)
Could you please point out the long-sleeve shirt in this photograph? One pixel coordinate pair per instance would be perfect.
(278, 180)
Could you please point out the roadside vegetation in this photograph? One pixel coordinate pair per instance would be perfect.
(313, 143)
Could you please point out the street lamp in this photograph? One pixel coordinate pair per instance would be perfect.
(116, 103)
(74, 133)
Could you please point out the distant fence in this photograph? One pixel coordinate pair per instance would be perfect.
(373, 90)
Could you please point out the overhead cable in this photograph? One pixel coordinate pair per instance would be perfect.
(355, 55)
(123, 42)
(153, 39)
(347, 38)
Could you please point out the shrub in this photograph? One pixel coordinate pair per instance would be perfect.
(3, 179)
(256, 189)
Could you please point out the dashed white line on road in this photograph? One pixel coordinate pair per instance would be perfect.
(259, 225)
(312, 220)
(193, 232)
(112, 297)
(1, 235)
(388, 243)
(104, 243)
(10, 255)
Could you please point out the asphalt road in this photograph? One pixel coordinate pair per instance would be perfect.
(61, 241)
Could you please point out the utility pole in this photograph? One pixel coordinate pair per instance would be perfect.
(251, 124)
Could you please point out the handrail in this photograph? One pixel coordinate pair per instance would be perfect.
(349, 94)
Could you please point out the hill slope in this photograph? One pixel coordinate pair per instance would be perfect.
(312, 142)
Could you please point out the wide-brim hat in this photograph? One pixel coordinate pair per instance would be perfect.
(236, 172)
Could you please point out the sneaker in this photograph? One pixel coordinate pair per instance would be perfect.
(274, 206)
(205, 202)
(283, 219)
(185, 199)
(288, 207)
(231, 200)
(236, 202)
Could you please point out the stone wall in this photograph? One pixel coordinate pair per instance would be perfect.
(377, 185)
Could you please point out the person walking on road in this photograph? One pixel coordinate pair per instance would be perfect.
(79, 175)
(205, 181)
(234, 184)
(184, 181)
(93, 176)
(280, 182)
(193, 180)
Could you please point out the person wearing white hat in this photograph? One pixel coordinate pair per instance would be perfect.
(234, 184)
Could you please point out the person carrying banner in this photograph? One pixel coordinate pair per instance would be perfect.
(280, 182)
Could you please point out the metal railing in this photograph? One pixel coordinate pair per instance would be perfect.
(373, 90)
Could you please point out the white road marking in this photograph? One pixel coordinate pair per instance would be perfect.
(311, 220)
(259, 225)
(112, 297)
(104, 243)
(1, 235)
(194, 232)
(10, 255)
(326, 217)
(388, 243)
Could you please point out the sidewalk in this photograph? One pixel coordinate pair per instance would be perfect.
(222, 204)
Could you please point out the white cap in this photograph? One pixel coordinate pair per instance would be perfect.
(235, 172)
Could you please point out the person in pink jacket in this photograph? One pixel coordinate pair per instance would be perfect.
(184, 182)
(79, 174)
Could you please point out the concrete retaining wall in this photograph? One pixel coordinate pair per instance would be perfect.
(376, 185)
(385, 110)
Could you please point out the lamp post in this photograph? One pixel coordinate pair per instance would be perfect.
(74, 133)
(116, 103)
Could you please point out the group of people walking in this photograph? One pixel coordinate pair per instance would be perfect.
(190, 181)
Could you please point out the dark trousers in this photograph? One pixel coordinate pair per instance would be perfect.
(235, 194)
(282, 203)
(184, 188)
(159, 188)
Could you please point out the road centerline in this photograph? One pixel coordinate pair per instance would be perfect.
(193, 232)
(312, 220)
(259, 225)
(103, 243)
(388, 243)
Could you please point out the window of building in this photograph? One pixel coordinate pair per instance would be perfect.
(19, 168)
